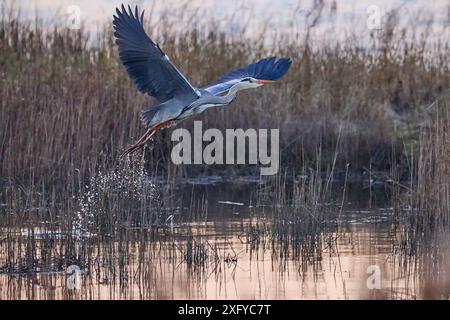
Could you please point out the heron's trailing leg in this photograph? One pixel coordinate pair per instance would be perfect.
(146, 137)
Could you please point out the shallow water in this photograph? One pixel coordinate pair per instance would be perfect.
(242, 274)
(218, 258)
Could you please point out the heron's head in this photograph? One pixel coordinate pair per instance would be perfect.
(249, 83)
(253, 83)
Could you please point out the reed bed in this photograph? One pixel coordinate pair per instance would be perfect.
(68, 107)
(426, 236)
(68, 110)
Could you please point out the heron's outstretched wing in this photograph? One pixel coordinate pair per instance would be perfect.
(265, 69)
(146, 63)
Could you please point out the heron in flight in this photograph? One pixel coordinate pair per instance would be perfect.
(153, 73)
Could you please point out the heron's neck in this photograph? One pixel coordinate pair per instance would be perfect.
(231, 94)
(237, 87)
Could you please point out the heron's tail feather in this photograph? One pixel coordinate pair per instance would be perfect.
(147, 116)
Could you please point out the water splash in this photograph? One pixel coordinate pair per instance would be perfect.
(122, 196)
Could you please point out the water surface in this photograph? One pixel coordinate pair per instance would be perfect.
(229, 254)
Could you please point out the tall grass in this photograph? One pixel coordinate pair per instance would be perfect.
(69, 108)
(426, 236)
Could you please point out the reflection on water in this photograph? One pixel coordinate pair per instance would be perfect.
(240, 273)
(225, 256)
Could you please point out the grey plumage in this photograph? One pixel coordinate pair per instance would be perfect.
(153, 73)
(146, 63)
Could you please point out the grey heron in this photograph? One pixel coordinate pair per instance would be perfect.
(153, 73)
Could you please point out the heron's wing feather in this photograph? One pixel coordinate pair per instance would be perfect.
(265, 69)
(147, 65)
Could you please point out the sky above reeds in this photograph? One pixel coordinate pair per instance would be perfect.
(338, 18)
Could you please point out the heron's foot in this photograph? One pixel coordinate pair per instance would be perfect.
(132, 149)
(146, 137)
(140, 143)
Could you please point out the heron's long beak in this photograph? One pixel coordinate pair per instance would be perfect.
(264, 81)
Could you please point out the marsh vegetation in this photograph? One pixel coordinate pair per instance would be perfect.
(364, 179)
